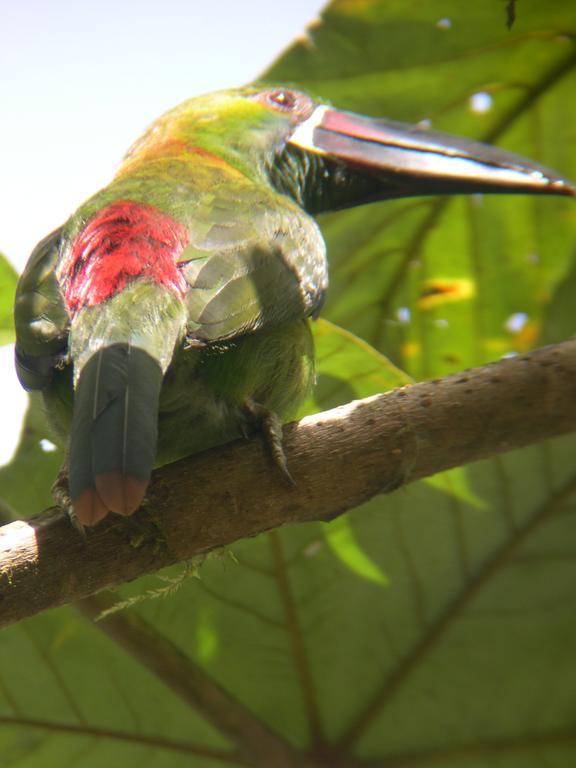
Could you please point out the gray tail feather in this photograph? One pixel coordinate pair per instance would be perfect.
(114, 430)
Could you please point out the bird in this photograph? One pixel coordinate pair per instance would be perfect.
(171, 312)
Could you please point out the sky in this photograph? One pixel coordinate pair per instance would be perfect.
(81, 79)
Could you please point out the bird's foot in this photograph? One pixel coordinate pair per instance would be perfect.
(61, 494)
(270, 425)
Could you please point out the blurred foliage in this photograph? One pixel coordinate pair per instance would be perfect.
(8, 279)
(435, 626)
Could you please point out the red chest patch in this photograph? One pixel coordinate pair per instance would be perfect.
(121, 242)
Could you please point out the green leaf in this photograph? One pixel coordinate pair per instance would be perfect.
(34, 458)
(343, 543)
(466, 658)
(348, 368)
(8, 280)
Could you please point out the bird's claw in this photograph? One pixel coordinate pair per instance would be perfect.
(271, 426)
(61, 494)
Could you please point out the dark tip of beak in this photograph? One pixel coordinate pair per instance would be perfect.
(412, 161)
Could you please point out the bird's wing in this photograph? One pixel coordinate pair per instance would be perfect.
(254, 267)
(253, 271)
(40, 317)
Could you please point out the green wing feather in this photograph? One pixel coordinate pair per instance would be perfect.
(240, 292)
(40, 317)
(267, 266)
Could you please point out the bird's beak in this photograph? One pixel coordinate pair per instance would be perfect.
(405, 160)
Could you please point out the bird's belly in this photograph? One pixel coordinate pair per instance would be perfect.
(205, 392)
(200, 421)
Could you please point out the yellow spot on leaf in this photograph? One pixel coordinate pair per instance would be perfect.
(526, 338)
(410, 349)
(438, 291)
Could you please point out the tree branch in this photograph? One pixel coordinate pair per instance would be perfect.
(340, 458)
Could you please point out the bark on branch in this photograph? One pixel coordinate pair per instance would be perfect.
(339, 458)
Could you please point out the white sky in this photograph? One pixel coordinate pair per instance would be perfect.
(80, 81)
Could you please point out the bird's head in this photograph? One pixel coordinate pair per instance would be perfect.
(327, 159)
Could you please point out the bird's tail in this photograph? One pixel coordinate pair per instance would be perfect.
(121, 354)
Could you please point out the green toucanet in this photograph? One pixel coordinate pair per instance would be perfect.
(173, 307)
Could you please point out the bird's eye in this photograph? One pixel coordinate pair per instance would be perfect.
(282, 99)
(295, 103)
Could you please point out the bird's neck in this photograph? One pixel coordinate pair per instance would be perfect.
(188, 159)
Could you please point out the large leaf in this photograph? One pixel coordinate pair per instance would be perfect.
(434, 626)
(8, 279)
